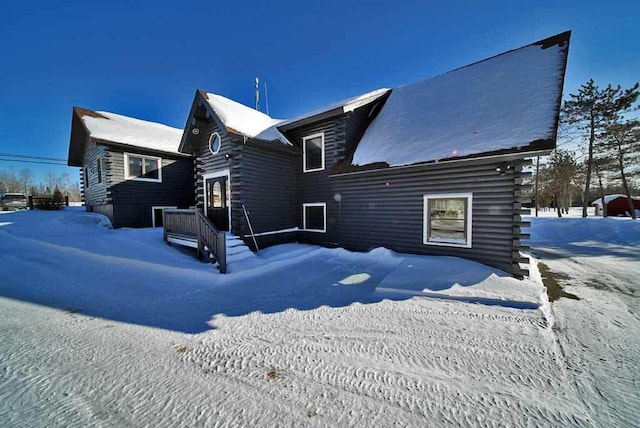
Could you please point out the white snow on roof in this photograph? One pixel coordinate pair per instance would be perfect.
(506, 101)
(133, 132)
(347, 105)
(609, 198)
(244, 120)
(255, 124)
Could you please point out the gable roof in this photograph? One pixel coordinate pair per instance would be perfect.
(112, 128)
(508, 102)
(238, 118)
(245, 121)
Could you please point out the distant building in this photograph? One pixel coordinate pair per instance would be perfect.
(617, 205)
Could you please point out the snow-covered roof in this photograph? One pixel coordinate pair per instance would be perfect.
(609, 198)
(121, 129)
(504, 102)
(243, 120)
(347, 105)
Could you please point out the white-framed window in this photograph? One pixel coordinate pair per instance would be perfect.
(447, 219)
(214, 143)
(314, 217)
(100, 169)
(142, 168)
(313, 152)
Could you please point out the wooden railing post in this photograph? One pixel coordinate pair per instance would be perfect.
(221, 251)
(30, 202)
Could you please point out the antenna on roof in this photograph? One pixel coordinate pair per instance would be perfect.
(257, 94)
(266, 97)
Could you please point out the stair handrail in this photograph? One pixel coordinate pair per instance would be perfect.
(253, 236)
(218, 248)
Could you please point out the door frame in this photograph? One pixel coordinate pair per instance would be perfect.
(153, 212)
(210, 175)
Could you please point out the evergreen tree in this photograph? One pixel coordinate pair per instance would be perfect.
(592, 110)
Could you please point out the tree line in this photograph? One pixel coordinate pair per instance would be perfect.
(604, 124)
(24, 181)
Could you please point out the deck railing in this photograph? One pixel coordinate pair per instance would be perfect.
(194, 225)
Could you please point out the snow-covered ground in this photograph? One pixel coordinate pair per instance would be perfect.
(114, 328)
(599, 261)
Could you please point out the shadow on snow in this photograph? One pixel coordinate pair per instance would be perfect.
(131, 276)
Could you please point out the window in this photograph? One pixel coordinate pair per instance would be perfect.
(143, 168)
(447, 219)
(313, 152)
(314, 217)
(214, 143)
(85, 177)
(99, 169)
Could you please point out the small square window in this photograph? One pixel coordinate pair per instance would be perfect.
(313, 156)
(314, 217)
(448, 219)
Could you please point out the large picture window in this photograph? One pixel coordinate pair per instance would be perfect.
(143, 168)
(313, 152)
(314, 217)
(447, 219)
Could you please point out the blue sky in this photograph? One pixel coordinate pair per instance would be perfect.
(145, 59)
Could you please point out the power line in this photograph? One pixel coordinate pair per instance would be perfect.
(33, 161)
(12, 155)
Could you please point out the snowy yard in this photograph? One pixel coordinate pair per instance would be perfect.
(114, 328)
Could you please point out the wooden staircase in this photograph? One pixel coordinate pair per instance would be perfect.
(191, 228)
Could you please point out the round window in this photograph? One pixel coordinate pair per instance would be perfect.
(214, 143)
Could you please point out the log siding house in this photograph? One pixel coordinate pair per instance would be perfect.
(130, 169)
(434, 168)
(424, 168)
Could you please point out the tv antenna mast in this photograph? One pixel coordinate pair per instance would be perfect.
(257, 94)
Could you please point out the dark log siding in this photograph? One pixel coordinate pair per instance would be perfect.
(94, 193)
(133, 200)
(269, 190)
(340, 135)
(226, 159)
(364, 210)
(385, 207)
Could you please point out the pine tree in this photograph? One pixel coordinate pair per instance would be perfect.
(592, 110)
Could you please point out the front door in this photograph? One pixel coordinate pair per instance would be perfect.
(217, 202)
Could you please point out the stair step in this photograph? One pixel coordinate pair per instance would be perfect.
(240, 256)
(237, 250)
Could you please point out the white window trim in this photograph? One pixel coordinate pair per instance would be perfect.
(153, 213)
(128, 176)
(425, 219)
(223, 173)
(324, 216)
(215, 152)
(304, 152)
